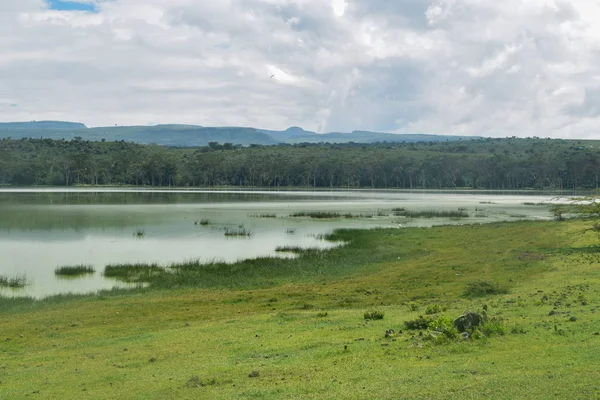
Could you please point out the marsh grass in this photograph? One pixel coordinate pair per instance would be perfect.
(74, 270)
(289, 249)
(139, 233)
(267, 215)
(461, 213)
(134, 273)
(238, 232)
(18, 281)
(323, 215)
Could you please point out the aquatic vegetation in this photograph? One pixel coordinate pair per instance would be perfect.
(14, 282)
(137, 273)
(433, 214)
(289, 249)
(262, 215)
(240, 231)
(322, 215)
(74, 270)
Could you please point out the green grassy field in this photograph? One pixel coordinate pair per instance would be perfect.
(295, 328)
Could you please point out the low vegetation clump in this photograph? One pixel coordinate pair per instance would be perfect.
(418, 324)
(481, 288)
(289, 249)
(470, 325)
(433, 309)
(203, 222)
(74, 270)
(139, 233)
(322, 215)
(431, 213)
(133, 273)
(237, 232)
(263, 215)
(14, 282)
(373, 315)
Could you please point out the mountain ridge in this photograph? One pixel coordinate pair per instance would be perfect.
(180, 135)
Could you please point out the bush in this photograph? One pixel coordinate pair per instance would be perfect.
(433, 309)
(374, 315)
(418, 324)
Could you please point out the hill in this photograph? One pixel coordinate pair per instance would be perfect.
(194, 135)
(43, 125)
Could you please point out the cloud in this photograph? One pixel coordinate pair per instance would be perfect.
(525, 68)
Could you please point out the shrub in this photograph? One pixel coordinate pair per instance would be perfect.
(433, 309)
(420, 323)
(373, 315)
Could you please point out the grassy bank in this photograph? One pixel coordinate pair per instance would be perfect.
(297, 328)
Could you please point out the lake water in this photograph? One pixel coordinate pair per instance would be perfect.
(41, 230)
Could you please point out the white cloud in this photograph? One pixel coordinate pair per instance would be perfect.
(474, 67)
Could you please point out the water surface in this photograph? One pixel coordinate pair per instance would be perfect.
(41, 230)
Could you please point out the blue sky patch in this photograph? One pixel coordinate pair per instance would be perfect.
(64, 5)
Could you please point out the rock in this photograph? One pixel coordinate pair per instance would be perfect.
(468, 321)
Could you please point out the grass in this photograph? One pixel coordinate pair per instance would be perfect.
(322, 215)
(373, 315)
(481, 288)
(239, 231)
(74, 270)
(18, 281)
(262, 215)
(461, 213)
(289, 249)
(299, 323)
(133, 273)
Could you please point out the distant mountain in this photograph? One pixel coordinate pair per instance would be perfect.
(42, 125)
(194, 135)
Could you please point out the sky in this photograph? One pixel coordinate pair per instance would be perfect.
(458, 67)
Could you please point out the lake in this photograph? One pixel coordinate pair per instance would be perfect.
(42, 229)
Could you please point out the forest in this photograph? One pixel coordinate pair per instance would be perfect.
(507, 163)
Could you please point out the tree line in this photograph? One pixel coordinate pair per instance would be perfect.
(509, 164)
